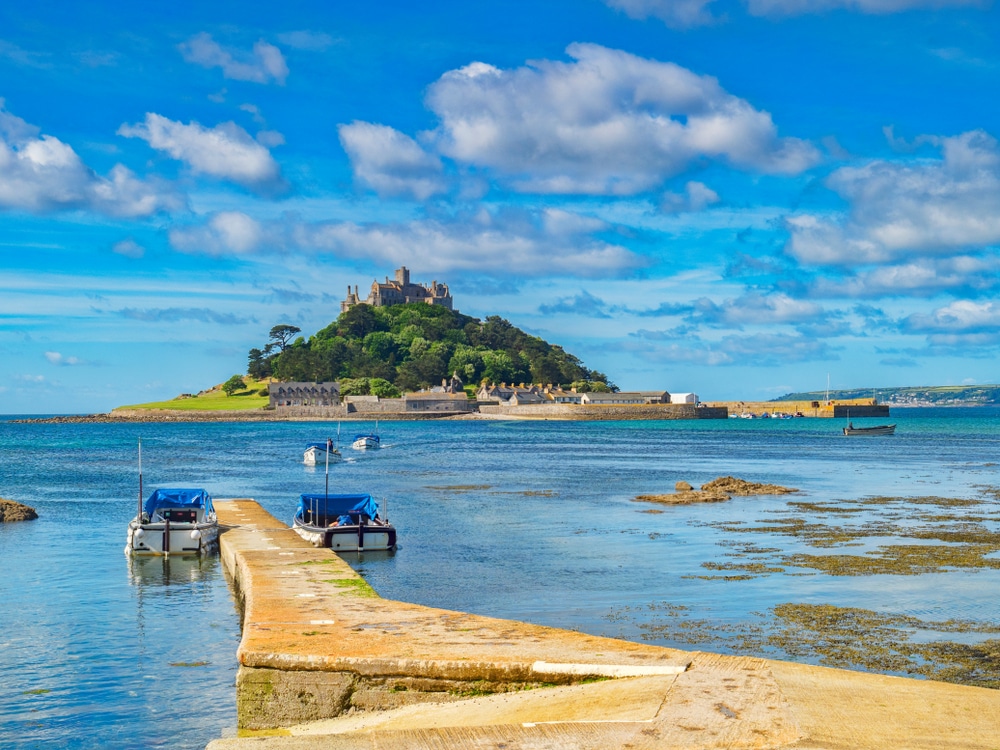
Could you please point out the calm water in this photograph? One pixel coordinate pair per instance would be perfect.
(522, 520)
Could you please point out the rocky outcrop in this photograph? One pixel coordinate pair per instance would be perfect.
(717, 491)
(11, 511)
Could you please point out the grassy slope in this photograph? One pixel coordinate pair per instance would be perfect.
(214, 399)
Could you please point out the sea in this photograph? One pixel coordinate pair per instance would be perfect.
(527, 520)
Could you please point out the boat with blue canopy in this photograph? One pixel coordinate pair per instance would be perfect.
(367, 441)
(344, 523)
(174, 522)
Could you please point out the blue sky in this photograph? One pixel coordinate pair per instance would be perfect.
(737, 198)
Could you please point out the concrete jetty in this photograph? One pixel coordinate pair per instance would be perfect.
(324, 662)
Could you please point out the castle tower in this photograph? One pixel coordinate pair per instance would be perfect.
(403, 276)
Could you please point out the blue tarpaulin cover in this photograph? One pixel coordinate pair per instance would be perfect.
(319, 446)
(191, 498)
(330, 506)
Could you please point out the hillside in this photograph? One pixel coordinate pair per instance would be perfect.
(413, 346)
(941, 395)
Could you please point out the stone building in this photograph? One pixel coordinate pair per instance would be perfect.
(284, 395)
(399, 291)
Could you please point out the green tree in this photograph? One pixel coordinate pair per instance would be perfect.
(383, 388)
(281, 335)
(235, 383)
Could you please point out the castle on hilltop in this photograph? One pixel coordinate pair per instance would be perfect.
(398, 292)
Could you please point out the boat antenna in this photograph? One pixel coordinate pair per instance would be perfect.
(138, 515)
(338, 434)
(328, 475)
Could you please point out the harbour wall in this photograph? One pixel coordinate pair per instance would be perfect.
(599, 412)
(319, 645)
(821, 409)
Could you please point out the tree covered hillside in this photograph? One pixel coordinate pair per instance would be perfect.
(415, 346)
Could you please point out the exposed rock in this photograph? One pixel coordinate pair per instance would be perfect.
(742, 487)
(11, 511)
(716, 491)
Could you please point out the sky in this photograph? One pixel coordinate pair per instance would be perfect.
(739, 198)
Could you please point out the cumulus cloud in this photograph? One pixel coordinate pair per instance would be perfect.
(263, 64)
(129, 248)
(965, 275)
(752, 308)
(390, 162)
(518, 243)
(959, 317)
(40, 173)
(226, 233)
(900, 208)
(607, 123)
(697, 196)
(60, 360)
(226, 151)
(678, 14)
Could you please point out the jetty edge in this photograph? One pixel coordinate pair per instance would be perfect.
(325, 662)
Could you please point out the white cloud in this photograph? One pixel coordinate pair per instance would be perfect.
(678, 14)
(129, 248)
(798, 7)
(512, 243)
(959, 317)
(56, 358)
(228, 232)
(261, 65)
(40, 173)
(760, 350)
(924, 277)
(607, 123)
(390, 162)
(697, 196)
(928, 207)
(226, 151)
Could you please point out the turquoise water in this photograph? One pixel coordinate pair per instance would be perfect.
(524, 520)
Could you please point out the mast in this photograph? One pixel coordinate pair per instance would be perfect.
(138, 515)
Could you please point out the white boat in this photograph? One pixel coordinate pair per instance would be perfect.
(343, 523)
(319, 453)
(370, 441)
(174, 522)
(367, 441)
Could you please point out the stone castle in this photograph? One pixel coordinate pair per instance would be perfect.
(399, 291)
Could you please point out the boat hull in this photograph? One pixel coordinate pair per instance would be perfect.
(366, 538)
(365, 444)
(172, 538)
(884, 429)
(316, 456)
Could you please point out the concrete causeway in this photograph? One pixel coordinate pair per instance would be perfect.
(324, 662)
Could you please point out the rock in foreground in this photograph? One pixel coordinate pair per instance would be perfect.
(11, 511)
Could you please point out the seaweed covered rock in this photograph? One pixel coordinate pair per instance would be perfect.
(716, 491)
(743, 488)
(11, 511)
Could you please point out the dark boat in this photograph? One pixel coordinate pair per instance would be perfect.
(882, 429)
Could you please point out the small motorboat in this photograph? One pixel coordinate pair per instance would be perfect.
(174, 522)
(882, 429)
(344, 523)
(319, 453)
(370, 441)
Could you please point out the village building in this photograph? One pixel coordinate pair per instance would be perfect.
(626, 397)
(684, 398)
(399, 291)
(283, 395)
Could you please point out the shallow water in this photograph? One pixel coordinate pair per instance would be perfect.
(523, 520)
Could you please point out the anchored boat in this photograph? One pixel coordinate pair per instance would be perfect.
(174, 522)
(882, 429)
(344, 523)
(318, 453)
(368, 441)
